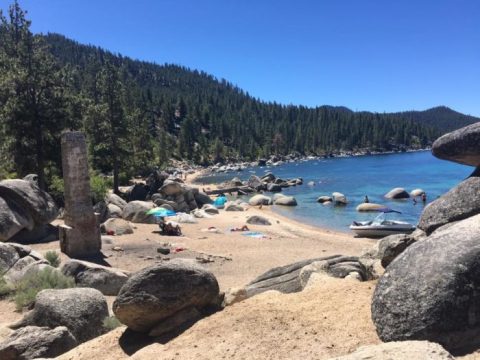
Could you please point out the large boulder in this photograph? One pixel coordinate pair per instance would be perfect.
(289, 278)
(255, 183)
(30, 197)
(461, 146)
(201, 198)
(397, 193)
(81, 310)
(158, 292)
(86, 274)
(286, 201)
(33, 342)
(171, 188)
(260, 200)
(115, 226)
(399, 350)
(459, 203)
(274, 187)
(24, 207)
(136, 212)
(115, 211)
(116, 200)
(391, 246)
(432, 290)
(8, 257)
(324, 199)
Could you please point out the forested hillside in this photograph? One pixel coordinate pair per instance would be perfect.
(138, 115)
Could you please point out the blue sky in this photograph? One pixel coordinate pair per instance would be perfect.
(375, 55)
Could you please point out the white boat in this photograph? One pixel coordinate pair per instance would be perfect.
(380, 226)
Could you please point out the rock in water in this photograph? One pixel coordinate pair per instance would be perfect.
(160, 291)
(397, 193)
(81, 310)
(339, 198)
(86, 274)
(461, 146)
(400, 350)
(32, 342)
(431, 291)
(365, 207)
(286, 201)
(417, 192)
(459, 203)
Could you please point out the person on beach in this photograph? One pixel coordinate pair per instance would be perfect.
(366, 201)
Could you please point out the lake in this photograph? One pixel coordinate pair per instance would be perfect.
(356, 177)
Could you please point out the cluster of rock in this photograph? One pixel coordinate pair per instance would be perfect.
(25, 210)
(431, 290)
(336, 198)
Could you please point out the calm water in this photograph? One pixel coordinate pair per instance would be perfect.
(356, 177)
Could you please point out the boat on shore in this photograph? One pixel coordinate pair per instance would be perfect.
(381, 226)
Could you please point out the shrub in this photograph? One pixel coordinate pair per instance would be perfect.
(99, 186)
(34, 282)
(111, 322)
(5, 288)
(53, 258)
(56, 189)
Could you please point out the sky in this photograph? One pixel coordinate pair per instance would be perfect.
(375, 55)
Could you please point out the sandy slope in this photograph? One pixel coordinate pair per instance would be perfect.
(330, 318)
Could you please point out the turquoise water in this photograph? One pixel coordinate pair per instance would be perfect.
(356, 177)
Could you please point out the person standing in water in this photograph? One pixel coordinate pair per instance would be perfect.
(366, 201)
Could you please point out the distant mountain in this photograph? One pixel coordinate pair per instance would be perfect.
(441, 117)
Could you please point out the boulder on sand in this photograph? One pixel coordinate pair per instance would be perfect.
(391, 246)
(260, 200)
(258, 220)
(397, 193)
(136, 212)
(81, 310)
(158, 292)
(116, 200)
(365, 207)
(461, 146)
(115, 211)
(430, 292)
(86, 274)
(116, 227)
(32, 342)
(459, 203)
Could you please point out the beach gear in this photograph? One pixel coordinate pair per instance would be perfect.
(161, 212)
(254, 234)
(220, 201)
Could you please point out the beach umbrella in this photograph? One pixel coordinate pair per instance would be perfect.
(161, 212)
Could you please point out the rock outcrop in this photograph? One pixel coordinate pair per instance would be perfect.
(430, 292)
(32, 342)
(86, 274)
(24, 206)
(152, 296)
(136, 212)
(461, 146)
(81, 310)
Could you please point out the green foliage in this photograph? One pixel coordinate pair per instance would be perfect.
(56, 189)
(53, 258)
(5, 288)
(111, 322)
(34, 282)
(99, 186)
